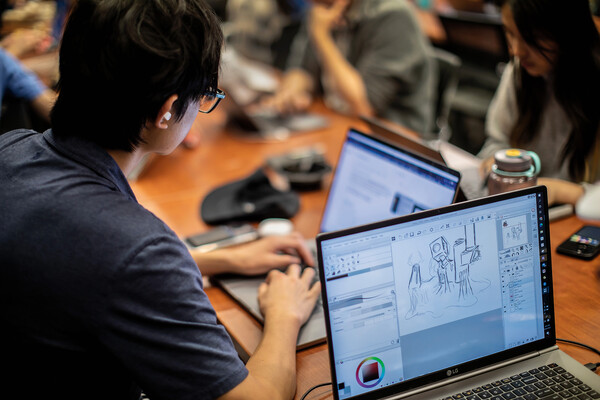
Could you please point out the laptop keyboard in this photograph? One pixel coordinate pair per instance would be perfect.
(548, 382)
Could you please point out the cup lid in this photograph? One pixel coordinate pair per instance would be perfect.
(513, 160)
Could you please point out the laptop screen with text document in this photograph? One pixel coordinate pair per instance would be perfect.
(407, 300)
(375, 180)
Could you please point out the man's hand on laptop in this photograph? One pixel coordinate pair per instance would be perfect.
(286, 300)
(257, 257)
(289, 295)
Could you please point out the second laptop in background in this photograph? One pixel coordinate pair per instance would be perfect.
(376, 179)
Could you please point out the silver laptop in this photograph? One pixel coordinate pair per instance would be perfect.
(373, 180)
(245, 81)
(377, 179)
(388, 132)
(451, 303)
(269, 124)
(472, 184)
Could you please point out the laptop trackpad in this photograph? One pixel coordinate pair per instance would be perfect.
(245, 291)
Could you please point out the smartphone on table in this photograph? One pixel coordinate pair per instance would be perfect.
(585, 243)
(221, 236)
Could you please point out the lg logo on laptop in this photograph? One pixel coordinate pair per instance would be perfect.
(451, 372)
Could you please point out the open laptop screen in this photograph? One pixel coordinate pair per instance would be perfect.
(443, 291)
(375, 180)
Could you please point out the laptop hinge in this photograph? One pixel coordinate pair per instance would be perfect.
(471, 374)
(549, 349)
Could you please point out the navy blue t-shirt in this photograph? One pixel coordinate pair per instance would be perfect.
(98, 297)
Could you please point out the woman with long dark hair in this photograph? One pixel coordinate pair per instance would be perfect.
(548, 100)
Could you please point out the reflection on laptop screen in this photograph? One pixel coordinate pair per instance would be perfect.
(375, 180)
(432, 292)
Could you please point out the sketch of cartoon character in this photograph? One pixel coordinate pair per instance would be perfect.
(466, 251)
(516, 232)
(415, 289)
(449, 274)
(440, 253)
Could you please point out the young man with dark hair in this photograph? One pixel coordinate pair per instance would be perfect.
(98, 296)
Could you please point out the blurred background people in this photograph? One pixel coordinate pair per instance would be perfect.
(258, 37)
(366, 57)
(32, 33)
(28, 43)
(21, 92)
(263, 30)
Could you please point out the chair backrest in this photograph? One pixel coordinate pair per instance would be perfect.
(475, 36)
(448, 76)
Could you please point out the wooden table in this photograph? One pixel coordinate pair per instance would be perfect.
(173, 186)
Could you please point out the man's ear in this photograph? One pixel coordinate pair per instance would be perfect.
(165, 113)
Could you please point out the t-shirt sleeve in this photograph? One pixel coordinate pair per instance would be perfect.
(501, 116)
(160, 323)
(394, 59)
(302, 54)
(17, 80)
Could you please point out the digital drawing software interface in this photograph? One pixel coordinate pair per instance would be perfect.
(374, 181)
(414, 298)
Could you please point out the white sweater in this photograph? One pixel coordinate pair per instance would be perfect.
(548, 142)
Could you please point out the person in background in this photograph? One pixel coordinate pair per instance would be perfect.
(549, 95)
(258, 37)
(369, 57)
(595, 6)
(22, 85)
(35, 44)
(98, 297)
(263, 30)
